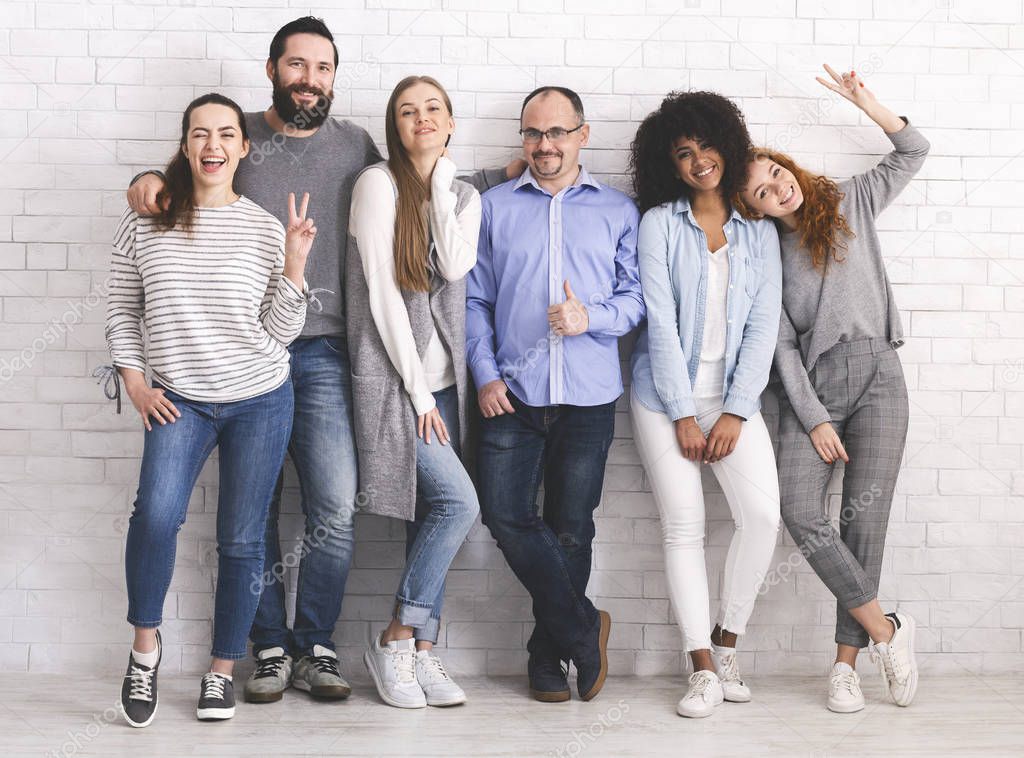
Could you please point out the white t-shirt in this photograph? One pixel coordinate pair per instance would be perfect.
(711, 371)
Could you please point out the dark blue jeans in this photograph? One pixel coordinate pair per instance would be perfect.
(568, 446)
(251, 437)
(323, 450)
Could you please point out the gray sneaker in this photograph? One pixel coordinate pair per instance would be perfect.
(318, 675)
(270, 679)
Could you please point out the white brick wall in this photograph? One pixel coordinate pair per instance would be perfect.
(91, 93)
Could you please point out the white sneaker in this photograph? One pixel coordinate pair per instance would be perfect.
(437, 685)
(393, 669)
(733, 688)
(896, 659)
(704, 694)
(844, 695)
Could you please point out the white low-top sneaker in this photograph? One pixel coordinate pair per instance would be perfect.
(437, 685)
(844, 695)
(896, 660)
(704, 694)
(393, 670)
(728, 671)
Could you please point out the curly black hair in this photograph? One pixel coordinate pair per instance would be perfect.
(705, 116)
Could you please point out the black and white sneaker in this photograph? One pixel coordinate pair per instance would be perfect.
(138, 690)
(216, 698)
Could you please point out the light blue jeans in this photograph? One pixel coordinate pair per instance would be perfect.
(446, 507)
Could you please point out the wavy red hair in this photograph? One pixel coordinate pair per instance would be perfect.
(818, 219)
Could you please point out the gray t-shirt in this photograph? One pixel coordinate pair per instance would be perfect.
(854, 299)
(325, 165)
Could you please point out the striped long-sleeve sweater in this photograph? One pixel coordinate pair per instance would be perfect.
(218, 312)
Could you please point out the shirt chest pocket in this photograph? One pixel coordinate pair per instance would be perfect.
(753, 273)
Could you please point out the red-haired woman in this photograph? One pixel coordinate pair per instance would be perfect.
(845, 397)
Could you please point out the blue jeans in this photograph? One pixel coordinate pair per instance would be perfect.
(446, 507)
(567, 445)
(251, 436)
(323, 450)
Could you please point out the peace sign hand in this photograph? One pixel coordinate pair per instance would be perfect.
(849, 86)
(299, 235)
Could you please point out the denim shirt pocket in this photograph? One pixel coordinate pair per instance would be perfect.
(753, 273)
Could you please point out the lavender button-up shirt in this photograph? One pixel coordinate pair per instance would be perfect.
(530, 243)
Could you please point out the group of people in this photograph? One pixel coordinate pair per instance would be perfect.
(363, 342)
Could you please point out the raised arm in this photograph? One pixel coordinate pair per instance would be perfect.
(877, 188)
(455, 234)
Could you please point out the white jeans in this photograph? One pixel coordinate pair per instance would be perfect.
(751, 485)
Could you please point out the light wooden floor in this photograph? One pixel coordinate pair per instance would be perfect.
(963, 716)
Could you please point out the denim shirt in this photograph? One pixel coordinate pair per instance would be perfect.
(673, 262)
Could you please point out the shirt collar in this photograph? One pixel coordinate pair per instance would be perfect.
(584, 179)
(682, 205)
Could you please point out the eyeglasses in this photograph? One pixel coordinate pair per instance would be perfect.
(554, 134)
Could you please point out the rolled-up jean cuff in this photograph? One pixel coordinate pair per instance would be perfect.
(229, 656)
(412, 614)
(430, 631)
(145, 624)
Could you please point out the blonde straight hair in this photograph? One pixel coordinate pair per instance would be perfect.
(411, 226)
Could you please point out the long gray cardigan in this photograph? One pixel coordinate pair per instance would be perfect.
(385, 421)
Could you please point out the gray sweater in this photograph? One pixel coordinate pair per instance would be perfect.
(852, 299)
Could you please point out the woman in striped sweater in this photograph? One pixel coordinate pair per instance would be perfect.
(218, 285)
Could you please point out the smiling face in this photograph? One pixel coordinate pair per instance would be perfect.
(698, 164)
(423, 118)
(303, 79)
(549, 159)
(771, 189)
(214, 145)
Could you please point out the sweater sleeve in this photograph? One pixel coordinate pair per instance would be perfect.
(795, 381)
(372, 224)
(877, 188)
(455, 235)
(283, 308)
(126, 303)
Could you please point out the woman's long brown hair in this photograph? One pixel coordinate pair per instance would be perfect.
(177, 192)
(411, 226)
(819, 222)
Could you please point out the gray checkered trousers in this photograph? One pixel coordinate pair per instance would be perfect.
(861, 385)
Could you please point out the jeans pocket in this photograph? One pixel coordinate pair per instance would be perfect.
(335, 344)
(368, 394)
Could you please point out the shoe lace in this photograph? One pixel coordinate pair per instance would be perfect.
(140, 683)
(433, 668)
(845, 680)
(730, 669)
(404, 662)
(213, 686)
(699, 684)
(269, 666)
(325, 664)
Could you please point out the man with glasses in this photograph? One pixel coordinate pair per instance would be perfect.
(556, 283)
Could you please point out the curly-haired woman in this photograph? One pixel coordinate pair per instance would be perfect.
(712, 285)
(845, 397)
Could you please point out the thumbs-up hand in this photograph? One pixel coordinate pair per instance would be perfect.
(570, 317)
